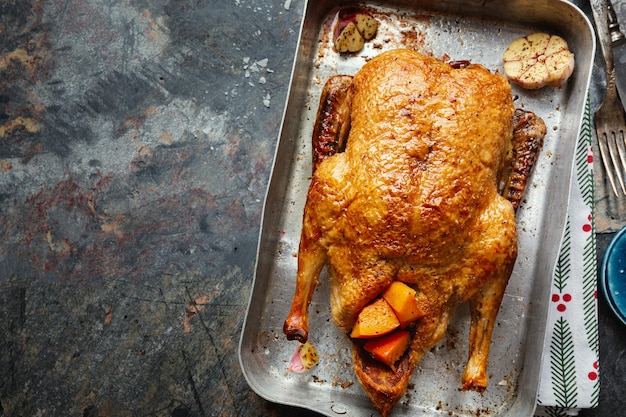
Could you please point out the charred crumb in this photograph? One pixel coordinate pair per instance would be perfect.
(343, 383)
(318, 379)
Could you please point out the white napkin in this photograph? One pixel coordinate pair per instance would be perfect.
(570, 373)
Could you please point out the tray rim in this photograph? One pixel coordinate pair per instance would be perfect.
(307, 405)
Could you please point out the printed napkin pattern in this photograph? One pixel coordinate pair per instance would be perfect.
(570, 371)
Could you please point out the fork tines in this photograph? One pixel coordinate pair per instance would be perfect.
(613, 154)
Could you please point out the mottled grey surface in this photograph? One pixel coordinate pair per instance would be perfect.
(136, 139)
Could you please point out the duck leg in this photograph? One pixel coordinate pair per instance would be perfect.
(484, 306)
(330, 134)
(528, 133)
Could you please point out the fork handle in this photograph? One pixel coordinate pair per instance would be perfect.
(617, 37)
(601, 18)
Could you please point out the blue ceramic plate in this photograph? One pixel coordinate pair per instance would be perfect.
(613, 274)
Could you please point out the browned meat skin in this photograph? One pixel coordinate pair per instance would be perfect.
(414, 198)
(528, 133)
(459, 64)
(311, 260)
(330, 133)
(333, 118)
(390, 385)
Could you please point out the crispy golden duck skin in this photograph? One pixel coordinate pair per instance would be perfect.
(414, 197)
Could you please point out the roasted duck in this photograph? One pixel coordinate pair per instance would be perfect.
(418, 168)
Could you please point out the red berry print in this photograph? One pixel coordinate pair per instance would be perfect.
(565, 298)
(593, 375)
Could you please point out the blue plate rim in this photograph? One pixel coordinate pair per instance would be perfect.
(605, 276)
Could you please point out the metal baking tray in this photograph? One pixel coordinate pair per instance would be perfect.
(478, 31)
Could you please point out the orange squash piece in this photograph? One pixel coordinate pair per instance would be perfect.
(376, 319)
(389, 348)
(402, 300)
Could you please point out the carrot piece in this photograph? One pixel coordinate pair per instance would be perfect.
(389, 348)
(376, 319)
(402, 300)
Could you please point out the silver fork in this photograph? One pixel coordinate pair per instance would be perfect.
(610, 119)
